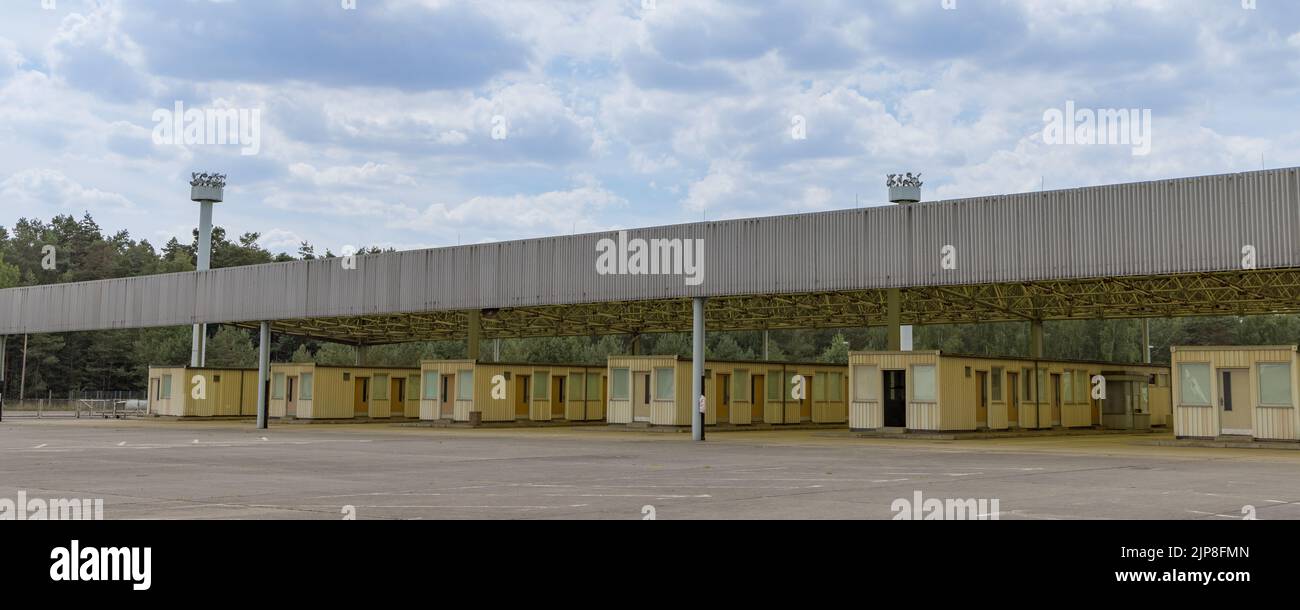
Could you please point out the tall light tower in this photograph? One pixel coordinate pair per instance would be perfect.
(904, 189)
(206, 189)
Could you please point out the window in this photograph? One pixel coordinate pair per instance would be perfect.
(577, 385)
(1194, 383)
(593, 386)
(430, 385)
(166, 391)
(305, 381)
(1067, 389)
(216, 379)
(864, 383)
(277, 386)
(1275, 384)
(464, 385)
(413, 385)
(621, 383)
(997, 383)
(381, 387)
(1027, 388)
(774, 379)
(923, 383)
(968, 372)
(541, 385)
(664, 384)
(347, 376)
(741, 382)
(835, 387)
(819, 386)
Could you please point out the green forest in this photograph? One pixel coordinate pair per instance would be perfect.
(58, 364)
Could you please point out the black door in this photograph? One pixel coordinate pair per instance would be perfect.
(895, 386)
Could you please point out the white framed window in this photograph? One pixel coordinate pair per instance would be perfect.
(996, 383)
(464, 385)
(1275, 384)
(166, 391)
(306, 381)
(923, 386)
(835, 387)
(541, 385)
(664, 384)
(864, 382)
(430, 387)
(277, 386)
(1194, 383)
(621, 385)
(380, 385)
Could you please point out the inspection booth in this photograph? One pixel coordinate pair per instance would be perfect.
(315, 391)
(181, 391)
(934, 391)
(1244, 392)
(656, 390)
(505, 392)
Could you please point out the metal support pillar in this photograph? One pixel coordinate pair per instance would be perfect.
(893, 320)
(363, 354)
(22, 375)
(635, 348)
(475, 333)
(3, 367)
(199, 345)
(1146, 341)
(697, 370)
(765, 343)
(263, 374)
(1035, 339)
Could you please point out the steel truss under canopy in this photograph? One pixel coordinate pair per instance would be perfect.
(1269, 291)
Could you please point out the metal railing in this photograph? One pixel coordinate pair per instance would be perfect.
(102, 404)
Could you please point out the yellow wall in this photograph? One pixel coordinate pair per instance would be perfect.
(678, 411)
(334, 392)
(955, 404)
(234, 395)
(1267, 422)
(577, 407)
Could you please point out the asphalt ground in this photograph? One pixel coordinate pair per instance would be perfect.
(229, 470)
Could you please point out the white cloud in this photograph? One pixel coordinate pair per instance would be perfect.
(50, 191)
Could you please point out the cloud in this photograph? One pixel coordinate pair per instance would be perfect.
(49, 191)
(380, 121)
(400, 45)
(90, 53)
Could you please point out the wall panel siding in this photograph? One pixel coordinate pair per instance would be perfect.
(1267, 422)
(866, 415)
(1160, 227)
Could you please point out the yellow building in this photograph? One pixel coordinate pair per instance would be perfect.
(657, 390)
(314, 391)
(181, 391)
(1247, 392)
(933, 391)
(506, 392)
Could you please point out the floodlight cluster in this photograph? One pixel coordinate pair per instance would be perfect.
(903, 180)
(206, 179)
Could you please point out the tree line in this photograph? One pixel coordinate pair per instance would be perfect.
(60, 363)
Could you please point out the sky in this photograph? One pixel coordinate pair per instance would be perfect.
(425, 123)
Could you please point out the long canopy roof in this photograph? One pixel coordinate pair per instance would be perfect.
(1191, 246)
